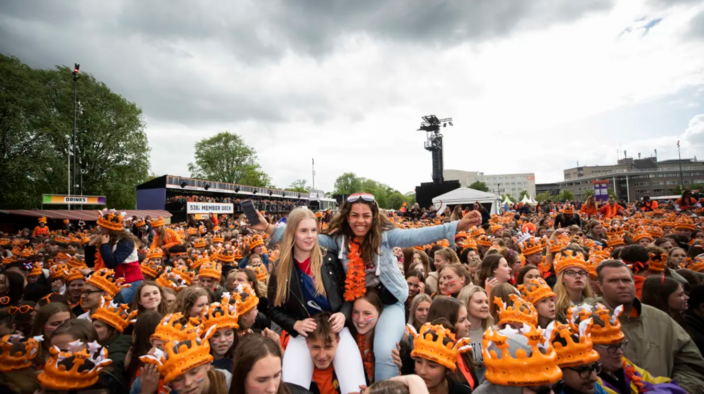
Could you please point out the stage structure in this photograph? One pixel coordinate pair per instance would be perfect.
(425, 193)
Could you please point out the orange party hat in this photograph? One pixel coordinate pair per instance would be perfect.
(17, 353)
(572, 348)
(221, 314)
(171, 328)
(246, 299)
(569, 259)
(438, 344)
(105, 280)
(535, 290)
(180, 356)
(75, 369)
(521, 312)
(116, 315)
(606, 329)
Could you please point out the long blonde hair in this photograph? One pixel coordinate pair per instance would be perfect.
(563, 297)
(466, 294)
(285, 265)
(414, 305)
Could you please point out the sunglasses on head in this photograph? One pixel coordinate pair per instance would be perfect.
(363, 196)
(4, 300)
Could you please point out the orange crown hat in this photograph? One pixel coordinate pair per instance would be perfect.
(151, 268)
(596, 255)
(172, 328)
(529, 228)
(521, 312)
(140, 223)
(460, 235)
(607, 327)
(75, 263)
(558, 243)
(181, 356)
(57, 272)
(42, 219)
(438, 344)
(655, 231)
(256, 241)
(211, 270)
(535, 290)
(642, 233)
(116, 315)
(75, 369)
(260, 272)
(568, 209)
(684, 222)
(569, 259)
(198, 243)
(218, 239)
(201, 260)
(172, 280)
(111, 219)
(155, 253)
(192, 231)
(532, 246)
(696, 264)
(221, 314)
(658, 263)
(157, 222)
(105, 280)
(17, 353)
(238, 254)
(27, 252)
(614, 240)
(494, 228)
(469, 243)
(519, 357)
(246, 299)
(483, 240)
(74, 274)
(572, 348)
(9, 260)
(66, 221)
(36, 269)
(225, 255)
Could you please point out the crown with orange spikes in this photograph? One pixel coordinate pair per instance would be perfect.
(105, 280)
(116, 315)
(5, 241)
(198, 243)
(57, 272)
(572, 348)
(36, 269)
(444, 243)
(171, 280)
(157, 222)
(534, 363)
(475, 231)
(642, 233)
(596, 255)
(438, 344)
(60, 239)
(155, 253)
(211, 270)
(461, 235)
(655, 231)
(532, 245)
(42, 219)
(559, 242)
(614, 240)
(201, 260)
(615, 230)
(260, 271)
(151, 268)
(74, 274)
(238, 254)
(218, 239)
(483, 240)
(9, 259)
(568, 209)
(27, 252)
(256, 241)
(520, 312)
(225, 255)
(246, 299)
(567, 259)
(140, 223)
(192, 231)
(17, 353)
(607, 327)
(172, 328)
(684, 222)
(221, 314)
(658, 263)
(696, 265)
(535, 290)
(75, 263)
(75, 369)
(181, 356)
(111, 219)
(494, 228)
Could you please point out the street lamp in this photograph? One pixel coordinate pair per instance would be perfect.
(76, 68)
(679, 154)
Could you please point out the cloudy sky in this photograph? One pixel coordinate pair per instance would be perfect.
(532, 86)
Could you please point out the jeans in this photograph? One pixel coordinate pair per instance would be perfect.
(126, 295)
(388, 332)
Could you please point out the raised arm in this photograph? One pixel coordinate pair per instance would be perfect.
(277, 234)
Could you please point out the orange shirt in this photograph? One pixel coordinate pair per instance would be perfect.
(609, 212)
(40, 231)
(653, 206)
(170, 239)
(326, 382)
(591, 211)
(687, 204)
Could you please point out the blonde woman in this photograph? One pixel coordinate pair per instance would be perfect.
(572, 286)
(441, 258)
(477, 303)
(308, 281)
(418, 312)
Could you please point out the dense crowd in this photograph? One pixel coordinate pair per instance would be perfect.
(596, 299)
(179, 203)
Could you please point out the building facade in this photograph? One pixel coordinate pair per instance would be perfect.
(512, 184)
(552, 188)
(632, 179)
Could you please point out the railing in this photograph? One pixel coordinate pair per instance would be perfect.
(233, 187)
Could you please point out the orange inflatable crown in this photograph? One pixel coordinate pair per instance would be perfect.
(606, 329)
(521, 312)
(57, 272)
(696, 265)
(246, 299)
(42, 219)
(532, 245)
(105, 280)
(171, 328)
(437, 344)
(571, 352)
(596, 256)
(260, 272)
(111, 219)
(568, 209)
(75, 369)
(535, 290)
(225, 255)
(36, 269)
(140, 223)
(483, 240)
(569, 259)
(658, 263)
(684, 222)
(74, 274)
(198, 243)
(192, 231)
(558, 243)
(118, 316)
(155, 253)
(614, 240)
(256, 241)
(17, 353)
(151, 268)
(181, 356)
(171, 280)
(534, 363)
(211, 270)
(221, 314)
(201, 260)
(218, 239)
(157, 222)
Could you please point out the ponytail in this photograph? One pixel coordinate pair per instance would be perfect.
(218, 383)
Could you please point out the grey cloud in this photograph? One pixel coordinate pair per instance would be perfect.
(696, 29)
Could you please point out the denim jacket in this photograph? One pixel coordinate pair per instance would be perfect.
(385, 261)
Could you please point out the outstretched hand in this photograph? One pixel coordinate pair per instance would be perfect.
(472, 218)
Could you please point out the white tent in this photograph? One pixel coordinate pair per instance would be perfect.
(532, 201)
(507, 200)
(526, 199)
(464, 196)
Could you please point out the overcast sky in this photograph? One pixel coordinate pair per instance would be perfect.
(532, 86)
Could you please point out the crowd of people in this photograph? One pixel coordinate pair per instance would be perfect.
(179, 203)
(607, 299)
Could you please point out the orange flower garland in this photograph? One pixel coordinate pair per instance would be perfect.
(354, 283)
(99, 263)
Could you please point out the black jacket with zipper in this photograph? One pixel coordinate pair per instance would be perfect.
(293, 310)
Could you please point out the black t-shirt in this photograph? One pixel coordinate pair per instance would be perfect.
(455, 387)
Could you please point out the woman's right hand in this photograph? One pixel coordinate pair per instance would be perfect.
(149, 379)
(305, 326)
(262, 225)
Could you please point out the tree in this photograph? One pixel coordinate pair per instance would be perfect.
(36, 123)
(299, 186)
(544, 196)
(410, 198)
(226, 158)
(347, 183)
(510, 197)
(385, 196)
(479, 185)
(524, 193)
(565, 195)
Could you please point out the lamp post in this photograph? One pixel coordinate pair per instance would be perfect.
(76, 68)
(679, 154)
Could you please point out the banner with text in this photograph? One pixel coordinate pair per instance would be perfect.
(73, 200)
(601, 190)
(210, 207)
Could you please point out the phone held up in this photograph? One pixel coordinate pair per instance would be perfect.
(250, 212)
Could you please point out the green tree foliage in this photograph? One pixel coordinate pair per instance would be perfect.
(544, 196)
(226, 158)
(387, 197)
(510, 197)
(36, 122)
(565, 195)
(300, 186)
(479, 185)
(523, 193)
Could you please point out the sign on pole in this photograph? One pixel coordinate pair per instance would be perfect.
(72, 200)
(601, 190)
(210, 207)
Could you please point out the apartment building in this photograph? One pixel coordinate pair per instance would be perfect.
(512, 184)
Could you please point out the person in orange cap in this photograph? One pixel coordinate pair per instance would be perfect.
(42, 230)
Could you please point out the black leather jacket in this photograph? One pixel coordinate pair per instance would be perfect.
(293, 310)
